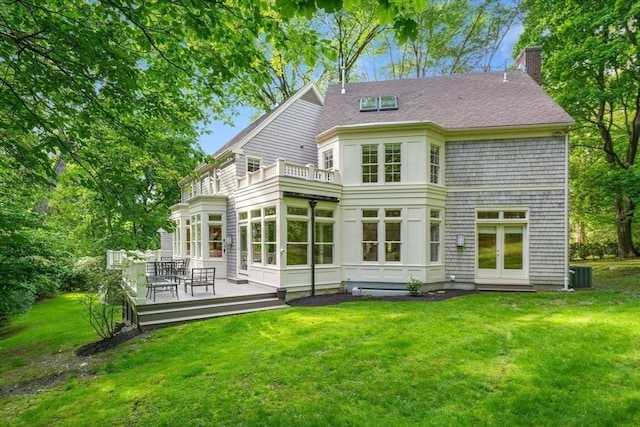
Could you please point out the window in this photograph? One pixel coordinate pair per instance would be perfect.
(297, 242)
(323, 250)
(253, 164)
(388, 102)
(435, 164)
(187, 230)
(177, 250)
(370, 234)
(327, 159)
(369, 103)
(434, 236)
(196, 233)
(502, 215)
(369, 163)
(243, 246)
(392, 234)
(392, 162)
(382, 103)
(256, 241)
(215, 236)
(270, 235)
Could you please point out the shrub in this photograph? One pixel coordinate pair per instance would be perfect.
(415, 287)
(103, 300)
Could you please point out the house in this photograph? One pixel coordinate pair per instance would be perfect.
(458, 181)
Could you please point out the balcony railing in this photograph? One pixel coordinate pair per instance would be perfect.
(133, 266)
(283, 168)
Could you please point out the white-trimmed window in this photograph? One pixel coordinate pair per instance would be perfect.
(196, 234)
(392, 162)
(177, 238)
(327, 159)
(256, 236)
(187, 232)
(370, 223)
(370, 163)
(253, 164)
(324, 238)
(243, 239)
(297, 235)
(392, 234)
(434, 161)
(270, 235)
(215, 236)
(435, 234)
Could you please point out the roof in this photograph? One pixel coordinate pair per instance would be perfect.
(308, 93)
(464, 101)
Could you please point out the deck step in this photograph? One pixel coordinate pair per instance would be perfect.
(169, 313)
(152, 324)
(506, 288)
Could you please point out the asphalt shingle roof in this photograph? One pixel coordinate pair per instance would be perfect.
(453, 102)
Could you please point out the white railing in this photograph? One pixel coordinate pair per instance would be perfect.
(283, 168)
(133, 266)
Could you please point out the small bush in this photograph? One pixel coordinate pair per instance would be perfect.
(81, 276)
(103, 300)
(415, 287)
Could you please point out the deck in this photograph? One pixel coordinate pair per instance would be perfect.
(229, 299)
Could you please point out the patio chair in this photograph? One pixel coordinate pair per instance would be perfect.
(161, 283)
(182, 266)
(201, 277)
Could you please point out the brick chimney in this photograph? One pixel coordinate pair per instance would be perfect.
(530, 61)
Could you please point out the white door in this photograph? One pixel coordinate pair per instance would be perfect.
(243, 248)
(502, 254)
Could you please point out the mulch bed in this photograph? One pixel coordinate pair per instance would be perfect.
(331, 299)
(123, 334)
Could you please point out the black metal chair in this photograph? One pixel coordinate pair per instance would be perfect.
(159, 280)
(201, 277)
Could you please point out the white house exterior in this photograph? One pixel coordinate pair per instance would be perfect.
(457, 181)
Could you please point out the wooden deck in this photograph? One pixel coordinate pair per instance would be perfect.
(229, 299)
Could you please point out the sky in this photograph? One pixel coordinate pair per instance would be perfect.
(220, 133)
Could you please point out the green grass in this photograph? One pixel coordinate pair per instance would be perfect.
(490, 359)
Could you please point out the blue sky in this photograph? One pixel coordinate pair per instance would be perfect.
(221, 132)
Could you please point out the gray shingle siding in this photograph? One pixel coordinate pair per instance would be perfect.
(545, 229)
(290, 136)
(526, 163)
(539, 161)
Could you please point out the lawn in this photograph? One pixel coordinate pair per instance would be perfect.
(563, 358)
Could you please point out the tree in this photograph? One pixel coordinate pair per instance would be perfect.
(452, 37)
(591, 52)
(69, 70)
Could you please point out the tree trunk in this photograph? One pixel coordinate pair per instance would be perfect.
(624, 219)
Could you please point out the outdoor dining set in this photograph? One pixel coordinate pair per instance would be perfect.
(169, 274)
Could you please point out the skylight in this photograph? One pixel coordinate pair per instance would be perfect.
(388, 102)
(379, 103)
(369, 103)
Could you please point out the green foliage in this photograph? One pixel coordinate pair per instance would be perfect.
(497, 350)
(33, 259)
(415, 287)
(103, 299)
(590, 67)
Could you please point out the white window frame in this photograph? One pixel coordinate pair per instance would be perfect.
(435, 167)
(253, 164)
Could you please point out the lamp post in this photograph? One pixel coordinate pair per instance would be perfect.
(312, 204)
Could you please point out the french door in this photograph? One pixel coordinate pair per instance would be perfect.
(244, 249)
(502, 253)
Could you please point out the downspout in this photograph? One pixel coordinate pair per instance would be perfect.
(312, 204)
(566, 213)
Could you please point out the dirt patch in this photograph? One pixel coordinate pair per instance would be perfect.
(49, 370)
(331, 299)
(108, 343)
